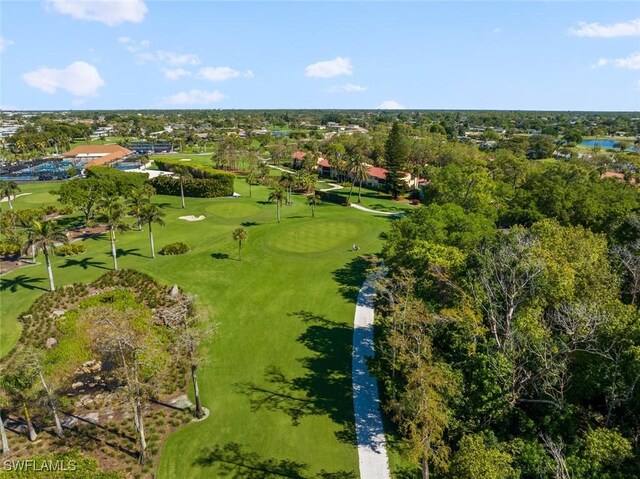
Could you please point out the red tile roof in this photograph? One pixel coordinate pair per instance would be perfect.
(298, 155)
(110, 153)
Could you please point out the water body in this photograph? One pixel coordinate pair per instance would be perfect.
(604, 144)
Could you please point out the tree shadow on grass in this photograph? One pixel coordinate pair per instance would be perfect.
(247, 224)
(70, 222)
(232, 461)
(351, 276)
(126, 252)
(219, 255)
(21, 281)
(324, 390)
(84, 263)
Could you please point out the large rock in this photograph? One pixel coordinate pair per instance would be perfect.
(51, 342)
(175, 291)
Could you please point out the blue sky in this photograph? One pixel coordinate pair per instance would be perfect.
(116, 54)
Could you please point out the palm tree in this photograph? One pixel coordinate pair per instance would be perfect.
(183, 174)
(18, 385)
(360, 173)
(251, 180)
(277, 196)
(287, 180)
(138, 199)
(151, 213)
(307, 181)
(8, 189)
(112, 215)
(4, 401)
(240, 235)
(313, 200)
(42, 236)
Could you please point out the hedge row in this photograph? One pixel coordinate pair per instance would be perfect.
(194, 169)
(194, 187)
(333, 197)
(123, 181)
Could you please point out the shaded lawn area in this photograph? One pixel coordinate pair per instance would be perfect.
(278, 373)
(376, 200)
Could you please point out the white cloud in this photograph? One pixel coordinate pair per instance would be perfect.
(390, 105)
(78, 101)
(109, 12)
(329, 68)
(632, 62)
(176, 59)
(142, 54)
(347, 88)
(176, 73)
(218, 73)
(194, 97)
(4, 43)
(79, 78)
(248, 74)
(497, 30)
(596, 30)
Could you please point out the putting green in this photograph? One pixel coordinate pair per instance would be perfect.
(233, 209)
(315, 236)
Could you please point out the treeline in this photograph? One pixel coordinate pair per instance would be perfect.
(510, 328)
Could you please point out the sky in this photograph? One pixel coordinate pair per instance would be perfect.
(148, 54)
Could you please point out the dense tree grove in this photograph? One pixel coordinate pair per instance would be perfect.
(510, 324)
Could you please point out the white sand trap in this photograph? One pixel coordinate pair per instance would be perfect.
(185, 159)
(6, 200)
(193, 218)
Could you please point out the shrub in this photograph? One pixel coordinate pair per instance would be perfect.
(71, 249)
(66, 210)
(124, 182)
(333, 197)
(206, 182)
(9, 249)
(176, 248)
(50, 209)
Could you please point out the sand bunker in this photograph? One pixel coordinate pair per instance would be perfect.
(193, 218)
(185, 159)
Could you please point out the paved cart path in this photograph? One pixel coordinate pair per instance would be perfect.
(372, 451)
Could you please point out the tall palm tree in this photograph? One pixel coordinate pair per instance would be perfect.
(251, 180)
(113, 216)
(183, 174)
(9, 189)
(42, 236)
(138, 198)
(240, 235)
(360, 173)
(313, 200)
(151, 213)
(287, 181)
(277, 196)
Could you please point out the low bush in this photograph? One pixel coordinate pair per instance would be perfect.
(333, 198)
(9, 249)
(71, 249)
(176, 248)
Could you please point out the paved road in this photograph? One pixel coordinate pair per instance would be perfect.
(372, 451)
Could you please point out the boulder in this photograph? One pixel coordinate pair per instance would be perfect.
(50, 343)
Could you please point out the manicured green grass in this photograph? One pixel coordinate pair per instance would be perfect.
(278, 373)
(39, 196)
(375, 200)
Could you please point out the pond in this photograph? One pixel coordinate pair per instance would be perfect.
(604, 144)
